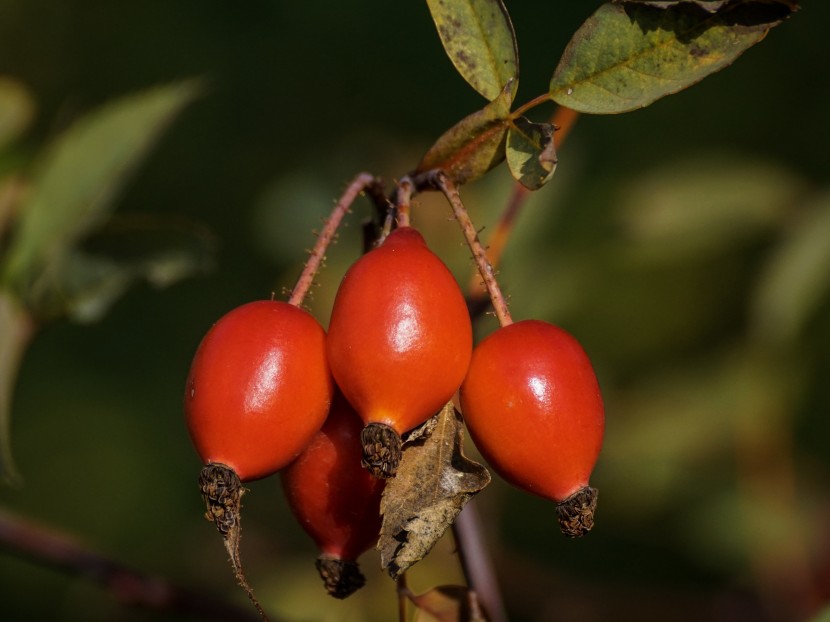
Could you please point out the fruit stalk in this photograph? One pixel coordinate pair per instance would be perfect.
(485, 268)
(363, 181)
(403, 196)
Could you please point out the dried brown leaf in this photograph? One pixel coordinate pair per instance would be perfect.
(433, 482)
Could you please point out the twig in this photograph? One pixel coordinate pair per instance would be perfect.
(358, 185)
(127, 585)
(403, 596)
(485, 269)
(479, 572)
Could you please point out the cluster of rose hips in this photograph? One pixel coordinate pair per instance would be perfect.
(270, 391)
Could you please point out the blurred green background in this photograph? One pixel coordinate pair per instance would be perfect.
(685, 245)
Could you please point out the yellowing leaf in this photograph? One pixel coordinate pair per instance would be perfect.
(472, 146)
(629, 54)
(478, 37)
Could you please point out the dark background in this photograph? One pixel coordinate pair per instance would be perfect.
(650, 245)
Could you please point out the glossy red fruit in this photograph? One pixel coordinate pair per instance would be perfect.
(533, 407)
(400, 337)
(258, 389)
(335, 500)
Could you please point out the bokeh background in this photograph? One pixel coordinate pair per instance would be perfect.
(684, 245)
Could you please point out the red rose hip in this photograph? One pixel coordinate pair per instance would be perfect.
(335, 500)
(258, 388)
(399, 342)
(533, 407)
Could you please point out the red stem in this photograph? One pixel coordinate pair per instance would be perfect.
(318, 253)
(536, 101)
(485, 269)
(402, 199)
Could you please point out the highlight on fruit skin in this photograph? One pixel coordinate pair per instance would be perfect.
(258, 389)
(335, 500)
(533, 406)
(399, 341)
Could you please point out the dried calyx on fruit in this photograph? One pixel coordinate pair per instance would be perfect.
(533, 407)
(399, 342)
(335, 500)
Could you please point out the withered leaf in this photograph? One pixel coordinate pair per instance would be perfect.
(433, 482)
(448, 603)
(531, 154)
(474, 145)
(713, 6)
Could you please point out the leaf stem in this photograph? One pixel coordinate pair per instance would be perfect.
(363, 182)
(442, 181)
(536, 101)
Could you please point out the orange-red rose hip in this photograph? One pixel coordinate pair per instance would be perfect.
(399, 341)
(533, 407)
(258, 388)
(335, 500)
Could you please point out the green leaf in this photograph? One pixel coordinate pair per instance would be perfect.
(531, 155)
(76, 180)
(474, 145)
(92, 278)
(478, 37)
(16, 110)
(16, 330)
(713, 6)
(627, 55)
(796, 279)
